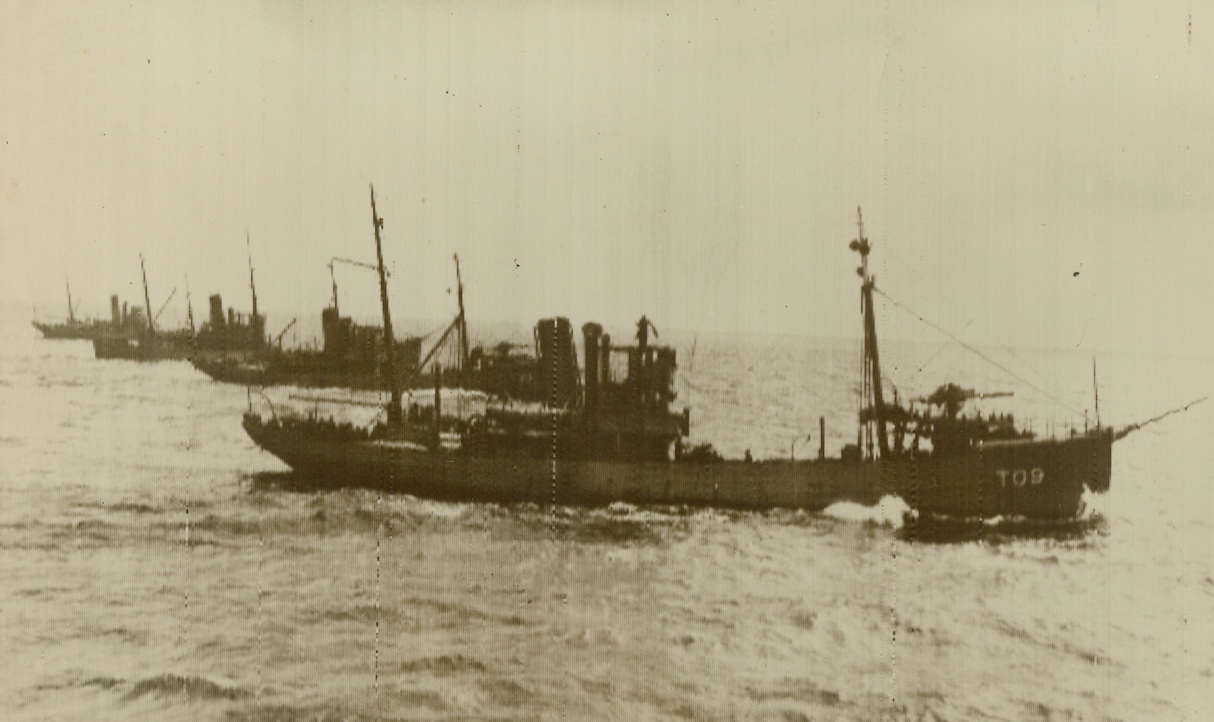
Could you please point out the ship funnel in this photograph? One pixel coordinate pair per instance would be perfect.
(115, 311)
(592, 333)
(557, 362)
(216, 302)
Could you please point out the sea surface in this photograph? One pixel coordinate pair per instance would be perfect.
(154, 564)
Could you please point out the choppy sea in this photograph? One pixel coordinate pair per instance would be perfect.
(154, 564)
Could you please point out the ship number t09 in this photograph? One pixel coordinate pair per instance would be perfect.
(1020, 477)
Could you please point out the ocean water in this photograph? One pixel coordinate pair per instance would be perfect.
(155, 565)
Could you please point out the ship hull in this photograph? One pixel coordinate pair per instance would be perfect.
(65, 332)
(1035, 479)
(251, 369)
(139, 349)
(78, 331)
(452, 475)
(296, 369)
(229, 370)
(984, 483)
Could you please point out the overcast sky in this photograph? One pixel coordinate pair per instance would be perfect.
(700, 162)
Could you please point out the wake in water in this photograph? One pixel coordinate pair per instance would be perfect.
(890, 511)
(628, 523)
(943, 530)
(934, 529)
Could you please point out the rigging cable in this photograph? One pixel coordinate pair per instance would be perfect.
(927, 363)
(428, 334)
(979, 354)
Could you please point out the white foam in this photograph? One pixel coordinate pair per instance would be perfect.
(1092, 504)
(890, 511)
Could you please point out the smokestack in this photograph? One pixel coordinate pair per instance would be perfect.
(438, 407)
(591, 332)
(557, 362)
(821, 437)
(115, 312)
(605, 358)
(216, 311)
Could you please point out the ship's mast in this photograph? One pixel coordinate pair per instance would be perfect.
(71, 312)
(147, 299)
(463, 320)
(872, 359)
(394, 415)
(252, 284)
(333, 278)
(1096, 391)
(189, 307)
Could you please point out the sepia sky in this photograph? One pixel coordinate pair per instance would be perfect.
(699, 162)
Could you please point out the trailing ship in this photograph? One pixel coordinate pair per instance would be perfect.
(352, 354)
(234, 335)
(120, 324)
(351, 357)
(599, 439)
(143, 342)
(238, 351)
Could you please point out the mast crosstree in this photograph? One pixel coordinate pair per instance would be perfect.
(394, 415)
(872, 358)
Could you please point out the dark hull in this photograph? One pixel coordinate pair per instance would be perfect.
(965, 485)
(156, 349)
(77, 331)
(1032, 479)
(64, 331)
(409, 469)
(302, 370)
(229, 370)
(280, 369)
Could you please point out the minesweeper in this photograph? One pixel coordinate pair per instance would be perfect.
(121, 323)
(599, 439)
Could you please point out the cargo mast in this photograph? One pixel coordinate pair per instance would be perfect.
(394, 415)
(189, 307)
(147, 299)
(333, 278)
(71, 312)
(872, 359)
(252, 284)
(463, 321)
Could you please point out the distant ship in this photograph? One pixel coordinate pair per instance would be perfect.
(76, 329)
(602, 439)
(229, 342)
(147, 343)
(231, 336)
(234, 335)
(352, 355)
